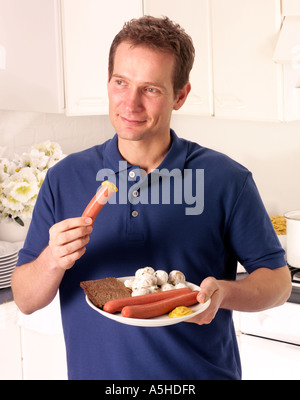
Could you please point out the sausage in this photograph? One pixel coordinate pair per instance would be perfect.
(99, 200)
(116, 305)
(161, 307)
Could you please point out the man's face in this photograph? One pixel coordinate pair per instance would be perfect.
(141, 96)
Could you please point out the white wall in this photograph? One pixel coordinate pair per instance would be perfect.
(270, 150)
(19, 130)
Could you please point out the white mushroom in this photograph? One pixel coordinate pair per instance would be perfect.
(167, 286)
(129, 282)
(162, 277)
(146, 270)
(181, 285)
(140, 291)
(176, 277)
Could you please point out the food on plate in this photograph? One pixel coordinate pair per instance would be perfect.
(99, 200)
(161, 307)
(141, 291)
(167, 286)
(117, 305)
(176, 277)
(180, 311)
(279, 224)
(146, 270)
(147, 280)
(180, 285)
(162, 277)
(101, 291)
(147, 294)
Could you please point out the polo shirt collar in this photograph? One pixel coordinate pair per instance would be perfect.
(175, 157)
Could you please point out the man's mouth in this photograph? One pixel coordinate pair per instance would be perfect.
(132, 121)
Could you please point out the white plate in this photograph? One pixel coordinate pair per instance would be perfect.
(162, 320)
(5, 280)
(8, 249)
(6, 273)
(8, 264)
(13, 257)
(7, 269)
(5, 285)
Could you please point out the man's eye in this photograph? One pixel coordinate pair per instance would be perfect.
(152, 90)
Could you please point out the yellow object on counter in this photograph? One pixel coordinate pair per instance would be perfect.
(180, 312)
(279, 224)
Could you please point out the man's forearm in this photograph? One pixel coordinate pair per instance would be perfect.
(262, 289)
(35, 284)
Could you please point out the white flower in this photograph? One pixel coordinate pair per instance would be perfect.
(21, 179)
(52, 150)
(34, 159)
(7, 168)
(19, 193)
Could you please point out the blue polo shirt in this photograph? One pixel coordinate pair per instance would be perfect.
(199, 212)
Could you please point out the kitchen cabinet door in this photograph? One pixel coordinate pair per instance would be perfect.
(10, 343)
(194, 18)
(89, 27)
(247, 83)
(264, 359)
(30, 56)
(44, 356)
(291, 8)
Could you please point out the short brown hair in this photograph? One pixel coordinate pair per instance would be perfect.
(159, 34)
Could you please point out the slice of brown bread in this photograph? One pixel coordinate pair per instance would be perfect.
(102, 290)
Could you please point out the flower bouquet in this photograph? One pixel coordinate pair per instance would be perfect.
(21, 179)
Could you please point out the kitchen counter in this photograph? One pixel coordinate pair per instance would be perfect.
(6, 295)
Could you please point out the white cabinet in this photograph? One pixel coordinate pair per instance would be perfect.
(247, 83)
(30, 354)
(54, 52)
(44, 356)
(290, 7)
(54, 55)
(194, 18)
(10, 343)
(31, 77)
(264, 359)
(89, 27)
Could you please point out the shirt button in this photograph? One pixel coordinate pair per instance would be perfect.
(134, 214)
(131, 174)
(135, 193)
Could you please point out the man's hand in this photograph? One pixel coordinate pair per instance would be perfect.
(262, 289)
(67, 241)
(210, 289)
(35, 284)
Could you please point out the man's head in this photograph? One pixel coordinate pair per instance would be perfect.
(159, 34)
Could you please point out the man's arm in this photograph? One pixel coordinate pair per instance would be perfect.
(262, 289)
(35, 284)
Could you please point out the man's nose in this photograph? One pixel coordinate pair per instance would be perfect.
(133, 100)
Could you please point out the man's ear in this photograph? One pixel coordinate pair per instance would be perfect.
(182, 96)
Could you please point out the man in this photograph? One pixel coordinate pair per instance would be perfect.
(149, 65)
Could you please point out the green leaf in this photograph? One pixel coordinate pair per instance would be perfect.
(19, 221)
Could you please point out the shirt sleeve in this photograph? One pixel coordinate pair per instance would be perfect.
(251, 233)
(42, 220)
